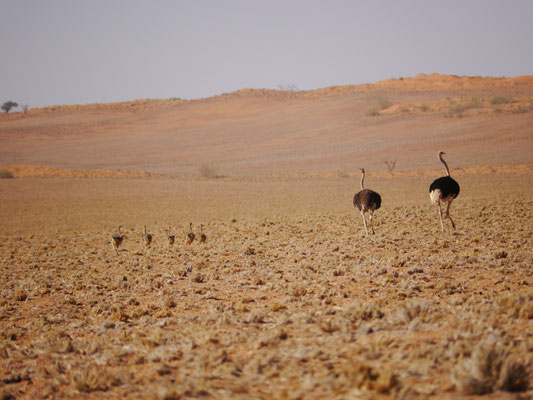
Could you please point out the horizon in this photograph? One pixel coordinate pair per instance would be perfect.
(18, 108)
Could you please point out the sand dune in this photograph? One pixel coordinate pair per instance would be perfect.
(479, 121)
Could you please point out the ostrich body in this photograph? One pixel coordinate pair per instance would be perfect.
(147, 238)
(444, 189)
(190, 236)
(171, 238)
(203, 237)
(117, 239)
(367, 201)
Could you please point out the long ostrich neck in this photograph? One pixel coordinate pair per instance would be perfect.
(363, 180)
(445, 165)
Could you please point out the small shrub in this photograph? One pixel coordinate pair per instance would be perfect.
(208, 171)
(199, 278)
(6, 174)
(457, 110)
(93, 379)
(423, 107)
(276, 306)
(410, 310)
(475, 102)
(497, 100)
(373, 112)
(384, 103)
(21, 295)
(523, 109)
(491, 368)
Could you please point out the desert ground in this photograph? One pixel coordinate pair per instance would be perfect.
(288, 298)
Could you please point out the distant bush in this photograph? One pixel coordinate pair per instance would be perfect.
(373, 112)
(497, 100)
(384, 103)
(6, 174)
(475, 102)
(423, 107)
(456, 110)
(404, 109)
(8, 105)
(208, 171)
(523, 109)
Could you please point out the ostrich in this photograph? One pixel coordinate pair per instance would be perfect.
(444, 189)
(190, 236)
(203, 237)
(147, 238)
(367, 200)
(170, 237)
(117, 239)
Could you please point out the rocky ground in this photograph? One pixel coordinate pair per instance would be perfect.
(286, 299)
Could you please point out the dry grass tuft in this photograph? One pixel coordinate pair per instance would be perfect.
(491, 368)
(20, 295)
(364, 376)
(92, 379)
(6, 174)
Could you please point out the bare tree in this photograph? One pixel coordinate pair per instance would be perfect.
(24, 107)
(291, 87)
(390, 166)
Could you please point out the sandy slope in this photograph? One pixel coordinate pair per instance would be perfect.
(256, 132)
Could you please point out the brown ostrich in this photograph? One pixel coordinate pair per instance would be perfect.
(367, 201)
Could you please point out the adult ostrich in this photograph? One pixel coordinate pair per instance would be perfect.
(367, 201)
(444, 189)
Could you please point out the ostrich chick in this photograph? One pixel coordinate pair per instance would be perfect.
(203, 237)
(147, 238)
(117, 239)
(190, 236)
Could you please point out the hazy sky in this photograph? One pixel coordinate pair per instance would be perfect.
(79, 51)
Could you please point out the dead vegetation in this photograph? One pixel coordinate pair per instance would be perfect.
(283, 304)
(462, 106)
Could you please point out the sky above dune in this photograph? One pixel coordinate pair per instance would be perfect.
(78, 52)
